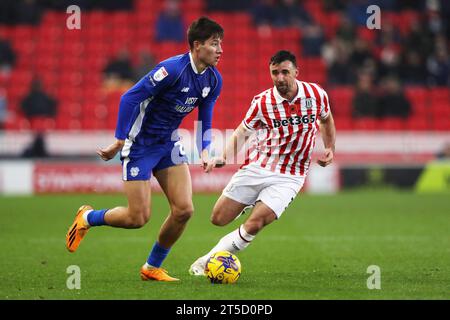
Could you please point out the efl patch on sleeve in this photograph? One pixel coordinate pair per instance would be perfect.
(160, 74)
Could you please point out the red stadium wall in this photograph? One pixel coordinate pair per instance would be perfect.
(91, 177)
(28, 177)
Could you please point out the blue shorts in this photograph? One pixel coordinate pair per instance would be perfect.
(139, 161)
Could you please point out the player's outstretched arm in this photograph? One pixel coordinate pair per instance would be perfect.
(233, 146)
(110, 151)
(328, 132)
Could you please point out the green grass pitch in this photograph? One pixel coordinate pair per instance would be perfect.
(319, 249)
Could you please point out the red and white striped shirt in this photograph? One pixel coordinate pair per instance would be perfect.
(285, 130)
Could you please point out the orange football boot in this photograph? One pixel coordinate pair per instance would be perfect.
(158, 274)
(78, 230)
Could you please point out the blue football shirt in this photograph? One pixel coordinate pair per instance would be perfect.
(152, 110)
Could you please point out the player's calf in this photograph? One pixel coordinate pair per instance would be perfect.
(132, 217)
(261, 216)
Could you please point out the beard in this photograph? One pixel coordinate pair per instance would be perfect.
(283, 89)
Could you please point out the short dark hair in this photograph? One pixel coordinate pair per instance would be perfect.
(202, 29)
(283, 55)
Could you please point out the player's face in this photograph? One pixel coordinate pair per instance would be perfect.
(210, 51)
(283, 76)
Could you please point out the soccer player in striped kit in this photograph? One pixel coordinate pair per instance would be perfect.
(146, 136)
(285, 119)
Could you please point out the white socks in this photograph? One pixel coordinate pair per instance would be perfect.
(233, 242)
(85, 214)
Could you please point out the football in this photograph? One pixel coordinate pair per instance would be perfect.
(223, 267)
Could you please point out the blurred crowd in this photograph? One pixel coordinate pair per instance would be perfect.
(419, 57)
(30, 11)
(378, 67)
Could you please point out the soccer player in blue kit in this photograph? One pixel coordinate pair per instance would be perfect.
(149, 115)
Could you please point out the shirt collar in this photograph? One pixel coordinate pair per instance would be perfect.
(280, 99)
(193, 65)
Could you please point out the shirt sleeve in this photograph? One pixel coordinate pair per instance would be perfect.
(325, 110)
(205, 112)
(252, 119)
(158, 79)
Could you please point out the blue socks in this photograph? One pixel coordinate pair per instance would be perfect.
(157, 255)
(96, 217)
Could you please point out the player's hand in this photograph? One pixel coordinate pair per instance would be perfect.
(204, 159)
(327, 158)
(110, 152)
(216, 162)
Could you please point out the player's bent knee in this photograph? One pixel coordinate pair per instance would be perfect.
(138, 218)
(134, 223)
(218, 222)
(218, 219)
(182, 213)
(137, 222)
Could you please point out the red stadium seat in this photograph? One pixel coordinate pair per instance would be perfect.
(366, 34)
(341, 100)
(392, 124)
(90, 94)
(440, 110)
(62, 123)
(147, 6)
(23, 32)
(92, 123)
(23, 46)
(21, 78)
(417, 96)
(73, 79)
(440, 96)
(17, 122)
(366, 124)
(242, 19)
(121, 19)
(52, 18)
(6, 32)
(418, 123)
(70, 110)
(68, 94)
(344, 123)
(73, 47)
(193, 6)
(406, 19)
(42, 124)
(49, 80)
(330, 22)
(67, 123)
(442, 124)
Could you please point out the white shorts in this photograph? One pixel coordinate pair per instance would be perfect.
(253, 183)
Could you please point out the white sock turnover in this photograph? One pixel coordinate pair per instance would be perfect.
(233, 242)
(85, 215)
